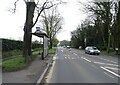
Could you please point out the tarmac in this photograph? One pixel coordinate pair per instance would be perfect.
(31, 75)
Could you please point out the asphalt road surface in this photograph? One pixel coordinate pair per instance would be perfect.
(74, 66)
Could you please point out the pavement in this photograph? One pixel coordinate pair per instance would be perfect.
(30, 74)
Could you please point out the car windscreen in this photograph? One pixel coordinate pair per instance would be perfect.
(94, 48)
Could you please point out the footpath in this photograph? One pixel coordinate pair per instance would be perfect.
(28, 75)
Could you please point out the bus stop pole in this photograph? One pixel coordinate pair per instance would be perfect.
(43, 50)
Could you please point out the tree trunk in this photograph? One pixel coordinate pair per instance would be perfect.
(118, 27)
(107, 24)
(51, 43)
(26, 46)
(108, 47)
(25, 50)
(103, 37)
(28, 30)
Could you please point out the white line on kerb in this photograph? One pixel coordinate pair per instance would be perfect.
(55, 57)
(109, 71)
(85, 59)
(43, 74)
(49, 76)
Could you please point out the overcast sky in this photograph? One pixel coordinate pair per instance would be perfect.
(11, 25)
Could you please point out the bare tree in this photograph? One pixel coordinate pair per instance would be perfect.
(31, 7)
(52, 23)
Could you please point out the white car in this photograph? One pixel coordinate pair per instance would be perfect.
(92, 50)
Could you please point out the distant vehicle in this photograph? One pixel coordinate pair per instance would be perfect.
(68, 46)
(92, 50)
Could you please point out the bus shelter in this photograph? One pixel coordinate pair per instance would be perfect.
(45, 42)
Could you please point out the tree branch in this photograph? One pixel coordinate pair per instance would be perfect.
(15, 6)
(56, 31)
(42, 9)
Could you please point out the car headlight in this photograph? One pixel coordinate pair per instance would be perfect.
(98, 51)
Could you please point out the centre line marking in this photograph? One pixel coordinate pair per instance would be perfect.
(65, 57)
(109, 71)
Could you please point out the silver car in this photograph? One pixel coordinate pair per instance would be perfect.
(92, 50)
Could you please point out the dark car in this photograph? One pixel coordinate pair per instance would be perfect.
(92, 50)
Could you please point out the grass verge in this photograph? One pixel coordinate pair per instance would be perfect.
(14, 64)
(17, 63)
(11, 53)
(52, 51)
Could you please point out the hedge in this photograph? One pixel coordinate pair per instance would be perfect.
(8, 45)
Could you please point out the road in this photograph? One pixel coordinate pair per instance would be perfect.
(74, 66)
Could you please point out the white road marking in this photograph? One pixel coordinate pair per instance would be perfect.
(68, 57)
(104, 59)
(112, 68)
(85, 59)
(65, 57)
(108, 75)
(108, 60)
(109, 71)
(62, 50)
(75, 54)
(105, 63)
